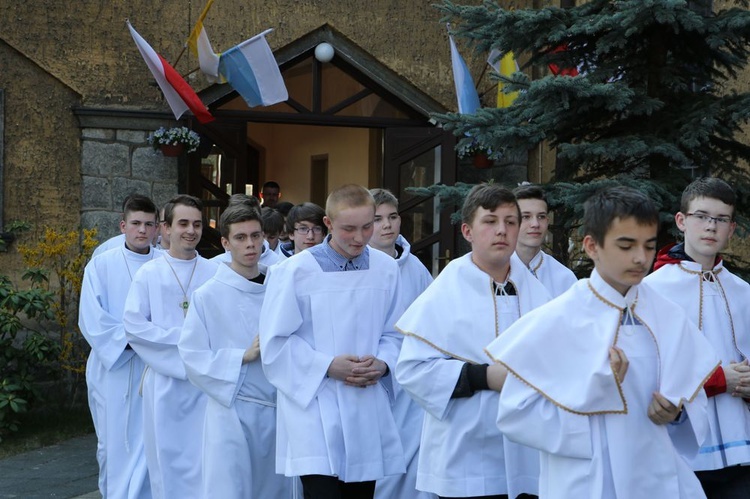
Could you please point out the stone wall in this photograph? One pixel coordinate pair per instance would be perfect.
(116, 161)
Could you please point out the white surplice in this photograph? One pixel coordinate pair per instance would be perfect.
(462, 453)
(594, 434)
(113, 373)
(173, 409)
(718, 305)
(555, 276)
(113, 242)
(408, 414)
(239, 435)
(268, 257)
(309, 316)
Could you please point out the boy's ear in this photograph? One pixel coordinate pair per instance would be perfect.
(591, 248)
(328, 222)
(679, 220)
(466, 231)
(122, 226)
(225, 243)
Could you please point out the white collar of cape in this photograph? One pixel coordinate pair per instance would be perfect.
(681, 282)
(540, 349)
(226, 275)
(456, 313)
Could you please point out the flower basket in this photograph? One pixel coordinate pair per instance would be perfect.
(174, 141)
(172, 150)
(481, 160)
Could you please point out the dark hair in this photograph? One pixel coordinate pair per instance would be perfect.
(487, 196)
(237, 213)
(284, 207)
(707, 187)
(238, 199)
(137, 202)
(184, 200)
(306, 212)
(271, 184)
(530, 191)
(384, 196)
(601, 209)
(273, 221)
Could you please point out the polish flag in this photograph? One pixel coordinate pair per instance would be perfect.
(179, 94)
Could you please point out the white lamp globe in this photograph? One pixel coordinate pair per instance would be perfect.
(324, 52)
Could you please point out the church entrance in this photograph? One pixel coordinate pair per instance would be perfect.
(348, 120)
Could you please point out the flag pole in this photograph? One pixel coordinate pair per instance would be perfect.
(200, 20)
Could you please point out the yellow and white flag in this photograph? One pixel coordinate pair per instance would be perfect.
(506, 66)
(200, 46)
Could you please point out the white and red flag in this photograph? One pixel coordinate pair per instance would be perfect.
(179, 94)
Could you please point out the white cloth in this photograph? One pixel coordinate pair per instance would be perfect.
(555, 276)
(593, 432)
(267, 257)
(173, 409)
(239, 434)
(113, 242)
(462, 453)
(309, 317)
(720, 308)
(113, 374)
(409, 416)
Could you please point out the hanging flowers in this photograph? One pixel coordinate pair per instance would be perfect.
(174, 141)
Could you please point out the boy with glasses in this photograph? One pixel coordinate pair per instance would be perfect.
(305, 227)
(693, 275)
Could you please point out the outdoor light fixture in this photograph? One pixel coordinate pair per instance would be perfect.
(324, 52)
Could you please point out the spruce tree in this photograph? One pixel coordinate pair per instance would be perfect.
(653, 103)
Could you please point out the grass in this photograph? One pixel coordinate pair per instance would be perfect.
(44, 427)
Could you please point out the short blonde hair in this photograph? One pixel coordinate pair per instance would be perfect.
(348, 196)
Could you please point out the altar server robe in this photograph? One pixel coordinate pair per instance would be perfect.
(719, 307)
(593, 431)
(173, 409)
(462, 453)
(409, 416)
(309, 316)
(113, 373)
(555, 276)
(239, 434)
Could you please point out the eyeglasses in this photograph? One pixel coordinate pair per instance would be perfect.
(303, 230)
(706, 219)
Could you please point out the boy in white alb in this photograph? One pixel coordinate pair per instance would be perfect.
(305, 227)
(555, 276)
(113, 371)
(221, 351)
(606, 380)
(443, 366)
(328, 346)
(267, 256)
(414, 279)
(155, 310)
(693, 275)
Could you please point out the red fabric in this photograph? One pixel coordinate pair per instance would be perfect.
(557, 70)
(716, 384)
(187, 93)
(663, 258)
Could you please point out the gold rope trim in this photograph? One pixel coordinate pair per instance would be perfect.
(556, 403)
(428, 342)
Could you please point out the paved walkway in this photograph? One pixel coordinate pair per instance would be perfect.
(66, 470)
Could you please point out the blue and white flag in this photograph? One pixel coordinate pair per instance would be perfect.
(466, 92)
(251, 69)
